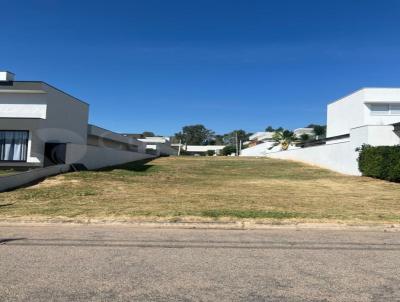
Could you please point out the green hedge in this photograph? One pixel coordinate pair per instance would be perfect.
(381, 162)
(228, 150)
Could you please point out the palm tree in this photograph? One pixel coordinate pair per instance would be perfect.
(284, 139)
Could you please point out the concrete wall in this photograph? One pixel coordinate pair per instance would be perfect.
(20, 179)
(161, 150)
(341, 156)
(99, 157)
(262, 149)
(345, 114)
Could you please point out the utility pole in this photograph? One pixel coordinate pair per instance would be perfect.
(179, 147)
(237, 145)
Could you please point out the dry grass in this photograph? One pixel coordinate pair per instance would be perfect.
(208, 187)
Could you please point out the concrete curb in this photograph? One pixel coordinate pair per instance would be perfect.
(210, 225)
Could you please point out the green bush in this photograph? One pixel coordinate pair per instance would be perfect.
(381, 162)
(210, 152)
(228, 150)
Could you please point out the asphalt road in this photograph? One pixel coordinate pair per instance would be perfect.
(123, 263)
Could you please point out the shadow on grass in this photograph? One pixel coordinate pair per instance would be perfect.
(6, 205)
(136, 166)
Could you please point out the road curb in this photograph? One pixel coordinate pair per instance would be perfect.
(240, 225)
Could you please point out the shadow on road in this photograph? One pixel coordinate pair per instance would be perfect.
(6, 240)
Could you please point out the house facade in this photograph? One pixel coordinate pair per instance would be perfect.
(365, 107)
(41, 125)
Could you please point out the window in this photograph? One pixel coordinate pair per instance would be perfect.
(385, 109)
(380, 109)
(395, 108)
(13, 145)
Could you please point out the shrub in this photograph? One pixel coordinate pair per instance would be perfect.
(228, 150)
(210, 152)
(381, 162)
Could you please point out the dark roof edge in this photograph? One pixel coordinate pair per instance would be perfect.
(55, 88)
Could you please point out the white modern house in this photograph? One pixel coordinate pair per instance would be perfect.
(159, 145)
(199, 150)
(365, 107)
(304, 131)
(259, 138)
(41, 126)
(367, 116)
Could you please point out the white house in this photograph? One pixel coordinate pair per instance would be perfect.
(41, 125)
(160, 145)
(367, 116)
(301, 131)
(367, 106)
(199, 150)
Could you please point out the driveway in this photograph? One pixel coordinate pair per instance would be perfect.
(125, 263)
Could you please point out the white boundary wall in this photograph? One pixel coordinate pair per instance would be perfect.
(99, 157)
(340, 157)
(9, 182)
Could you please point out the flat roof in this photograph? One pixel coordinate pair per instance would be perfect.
(7, 85)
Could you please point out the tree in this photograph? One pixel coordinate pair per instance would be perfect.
(269, 129)
(148, 134)
(195, 135)
(284, 139)
(230, 138)
(304, 137)
(319, 130)
(228, 150)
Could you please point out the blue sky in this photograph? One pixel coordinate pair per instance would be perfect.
(160, 65)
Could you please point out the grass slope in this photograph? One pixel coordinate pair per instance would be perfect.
(208, 187)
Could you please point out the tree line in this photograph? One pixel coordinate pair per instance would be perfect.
(200, 135)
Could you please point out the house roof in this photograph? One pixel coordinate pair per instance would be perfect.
(261, 135)
(32, 87)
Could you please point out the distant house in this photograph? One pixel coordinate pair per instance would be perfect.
(159, 145)
(40, 125)
(199, 150)
(259, 137)
(304, 131)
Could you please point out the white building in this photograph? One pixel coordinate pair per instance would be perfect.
(301, 131)
(367, 106)
(367, 116)
(199, 150)
(41, 125)
(159, 145)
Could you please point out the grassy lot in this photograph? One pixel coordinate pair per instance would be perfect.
(208, 188)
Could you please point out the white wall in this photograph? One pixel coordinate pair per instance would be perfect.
(20, 179)
(99, 157)
(262, 149)
(339, 157)
(342, 156)
(345, 114)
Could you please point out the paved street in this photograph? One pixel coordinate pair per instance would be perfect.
(124, 263)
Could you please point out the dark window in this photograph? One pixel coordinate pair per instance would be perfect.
(13, 145)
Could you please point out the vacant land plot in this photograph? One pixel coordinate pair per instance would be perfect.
(208, 188)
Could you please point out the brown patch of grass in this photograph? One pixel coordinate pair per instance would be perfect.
(256, 188)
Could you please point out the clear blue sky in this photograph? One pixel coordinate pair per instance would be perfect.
(159, 65)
